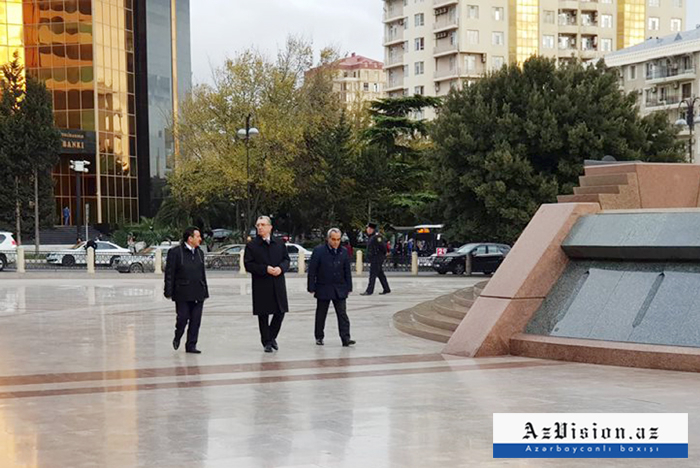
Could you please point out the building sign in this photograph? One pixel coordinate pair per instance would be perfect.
(77, 142)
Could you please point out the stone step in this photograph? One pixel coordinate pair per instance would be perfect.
(404, 322)
(479, 288)
(588, 198)
(428, 316)
(461, 300)
(604, 179)
(589, 189)
(444, 305)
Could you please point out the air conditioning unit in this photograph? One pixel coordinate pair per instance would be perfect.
(654, 90)
(676, 85)
(437, 87)
(483, 58)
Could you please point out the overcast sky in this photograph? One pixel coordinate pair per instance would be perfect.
(220, 28)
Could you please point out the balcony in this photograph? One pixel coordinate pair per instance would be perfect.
(443, 3)
(663, 75)
(393, 37)
(445, 23)
(446, 48)
(446, 74)
(394, 84)
(396, 60)
(395, 12)
(659, 101)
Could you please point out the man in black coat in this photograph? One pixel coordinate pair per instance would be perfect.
(267, 260)
(329, 279)
(186, 285)
(376, 254)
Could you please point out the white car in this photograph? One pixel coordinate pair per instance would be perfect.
(105, 254)
(8, 249)
(295, 249)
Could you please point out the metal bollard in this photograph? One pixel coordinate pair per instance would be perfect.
(241, 261)
(414, 263)
(358, 264)
(468, 266)
(91, 260)
(302, 263)
(158, 262)
(21, 267)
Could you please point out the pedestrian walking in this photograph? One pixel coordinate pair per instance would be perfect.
(376, 253)
(330, 280)
(186, 285)
(267, 260)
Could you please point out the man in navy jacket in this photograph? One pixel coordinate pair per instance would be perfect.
(329, 280)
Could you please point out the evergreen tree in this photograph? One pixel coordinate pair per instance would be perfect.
(519, 137)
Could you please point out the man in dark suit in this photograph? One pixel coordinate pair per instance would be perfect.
(186, 285)
(267, 260)
(329, 279)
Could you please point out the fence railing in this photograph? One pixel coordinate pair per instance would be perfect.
(15, 261)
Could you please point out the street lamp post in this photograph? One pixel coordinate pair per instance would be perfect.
(246, 134)
(80, 167)
(689, 121)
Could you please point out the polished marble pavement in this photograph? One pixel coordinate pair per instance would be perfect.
(88, 378)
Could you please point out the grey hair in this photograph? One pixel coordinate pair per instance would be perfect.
(266, 219)
(333, 231)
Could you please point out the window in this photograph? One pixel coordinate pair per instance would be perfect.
(420, 43)
(549, 16)
(653, 3)
(105, 246)
(472, 36)
(678, 3)
(375, 87)
(676, 24)
(605, 1)
(473, 11)
(606, 45)
(653, 23)
(366, 87)
(633, 72)
(420, 68)
(470, 63)
(419, 19)
(606, 21)
(419, 90)
(548, 41)
(480, 250)
(292, 249)
(497, 38)
(497, 62)
(687, 90)
(498, 13)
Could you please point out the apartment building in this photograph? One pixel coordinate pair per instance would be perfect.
(663, 72)
(432, 46)
(359, 79)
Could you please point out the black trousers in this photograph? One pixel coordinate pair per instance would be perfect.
(269, 329)
(340, 306)
(376, 271)
(188, 312)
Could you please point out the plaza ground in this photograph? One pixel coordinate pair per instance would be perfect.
(88, 378)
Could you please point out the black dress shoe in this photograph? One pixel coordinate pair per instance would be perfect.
(194, 351)
(384, 292)
(319, 342)
(268, 348)
(274, 345)
(176, 343)
(348, 343)
(365, 294)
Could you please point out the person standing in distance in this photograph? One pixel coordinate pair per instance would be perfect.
(376, 254)
(186, 285)
(267, 260)
(330, 279)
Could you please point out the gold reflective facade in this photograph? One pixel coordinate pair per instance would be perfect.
(11, 30)
(84, 51)
(524, 30)
(631, 22)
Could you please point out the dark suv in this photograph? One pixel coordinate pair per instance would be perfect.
(485, 258)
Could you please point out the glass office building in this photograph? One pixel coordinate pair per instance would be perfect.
(94, 57)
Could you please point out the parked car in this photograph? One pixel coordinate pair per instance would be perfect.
(8, 249)
(294, 250)
(221, 233)
(485, 258)
(142, 261)
(105, 254)
(224, 257)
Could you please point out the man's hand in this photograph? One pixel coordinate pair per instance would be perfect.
(271, 270)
